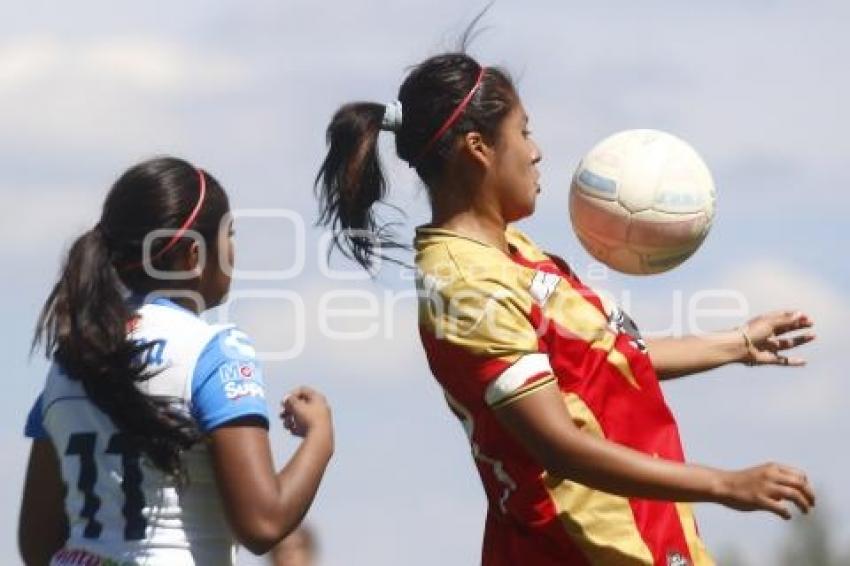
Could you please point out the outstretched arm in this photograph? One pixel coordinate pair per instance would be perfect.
(542, 424)
(760, 341)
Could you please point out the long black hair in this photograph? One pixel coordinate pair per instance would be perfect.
(84, 322)
(351, 181)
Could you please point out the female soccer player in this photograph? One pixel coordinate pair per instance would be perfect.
(150, 438)
(577, 450)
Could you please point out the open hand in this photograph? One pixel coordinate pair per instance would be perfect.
(767, 488)
(768, 335)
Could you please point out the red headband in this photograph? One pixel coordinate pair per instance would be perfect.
(454, 115)
(182, 230)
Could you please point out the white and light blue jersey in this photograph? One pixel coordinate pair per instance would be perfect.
(120, 507)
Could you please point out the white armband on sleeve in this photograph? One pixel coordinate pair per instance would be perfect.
(528, 373)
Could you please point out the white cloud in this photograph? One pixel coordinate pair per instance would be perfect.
(820, 396)
(771, 284)
(155, 65)
(667, 303)
(27, 60)
(104, 92)
(160, 67)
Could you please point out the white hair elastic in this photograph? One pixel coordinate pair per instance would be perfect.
(392, 117)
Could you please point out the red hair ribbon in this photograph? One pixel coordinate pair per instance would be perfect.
(182, 230)
(454, 115)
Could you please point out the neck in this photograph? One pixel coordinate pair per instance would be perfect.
(471, 213)
(187, 303)
(186, 298)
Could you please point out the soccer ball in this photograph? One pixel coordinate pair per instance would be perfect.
(642, 201)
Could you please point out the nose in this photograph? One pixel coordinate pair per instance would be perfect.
(536, 154)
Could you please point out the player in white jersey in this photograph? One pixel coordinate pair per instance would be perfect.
(150, 438)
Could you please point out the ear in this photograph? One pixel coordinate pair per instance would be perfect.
(190, 260)
(193, 257)
(477, 148)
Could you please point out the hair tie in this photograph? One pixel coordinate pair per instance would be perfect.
(391, 121)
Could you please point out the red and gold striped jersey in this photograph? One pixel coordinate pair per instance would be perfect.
(497, 327)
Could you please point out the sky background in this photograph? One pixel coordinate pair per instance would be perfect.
(246, 89)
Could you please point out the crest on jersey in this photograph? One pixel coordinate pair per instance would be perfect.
(677, 559)
(542, 286)
(619, 322)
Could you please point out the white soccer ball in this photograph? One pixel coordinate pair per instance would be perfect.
(642, 201)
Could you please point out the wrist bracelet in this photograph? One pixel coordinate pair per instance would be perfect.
(749, 345)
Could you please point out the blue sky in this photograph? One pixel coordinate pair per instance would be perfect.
(245, 89)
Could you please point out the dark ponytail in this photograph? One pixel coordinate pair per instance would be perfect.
(85, 321)
(350, 180)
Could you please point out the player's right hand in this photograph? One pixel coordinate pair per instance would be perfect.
(304, 410)
(767, 488)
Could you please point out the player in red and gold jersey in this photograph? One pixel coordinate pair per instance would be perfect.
(559, 395)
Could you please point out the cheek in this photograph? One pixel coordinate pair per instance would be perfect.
(224, 254)
(521, 173)
(226, 268)
(220, 262)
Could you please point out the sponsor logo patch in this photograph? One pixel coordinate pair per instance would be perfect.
(234, 390)
(237, 371)
(241, 379)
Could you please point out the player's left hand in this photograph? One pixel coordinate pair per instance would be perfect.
(768, 335)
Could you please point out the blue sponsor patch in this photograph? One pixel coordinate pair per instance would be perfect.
(237, 371)
(234, 390)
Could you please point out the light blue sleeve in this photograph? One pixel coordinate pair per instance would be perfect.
(35, 424)
(228, 382)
